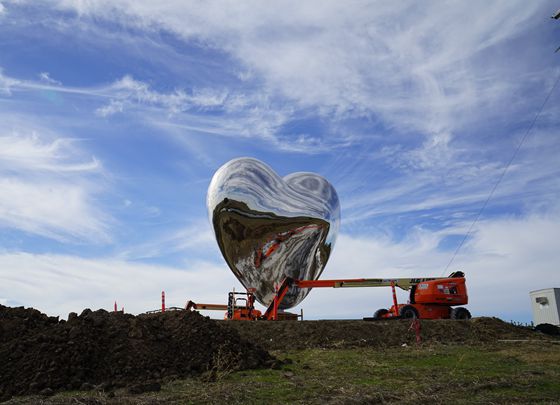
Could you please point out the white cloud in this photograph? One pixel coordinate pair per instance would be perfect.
(6, 83)
(44, 76)
(499, 263)
(48, 185)
(208, 98)
(430, 71)
(462, 186)
(56, 210)
(128, 91)
(31, 153)
(193, 240)
(423, 69)
(180, 113)
(113, 107)
(9, 84)
(414, 65)
(58, 284)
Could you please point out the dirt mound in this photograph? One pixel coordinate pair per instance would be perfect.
(20, 322)
(40, 354)
(283, 335)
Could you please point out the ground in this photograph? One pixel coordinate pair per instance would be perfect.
(481, 361)
(507, 372)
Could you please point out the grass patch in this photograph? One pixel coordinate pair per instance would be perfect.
(516, 373)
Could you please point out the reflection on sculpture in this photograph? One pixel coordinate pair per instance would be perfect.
(268, 228)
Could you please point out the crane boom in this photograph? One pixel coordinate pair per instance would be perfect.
(403, 283)
(208, 307)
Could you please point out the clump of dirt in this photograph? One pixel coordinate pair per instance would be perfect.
(286, 335)
(40, 354)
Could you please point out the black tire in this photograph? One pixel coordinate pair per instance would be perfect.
(379, 314)
(548, 329)
(460, 314)
(408, 312)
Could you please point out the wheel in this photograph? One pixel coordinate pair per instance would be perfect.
(380, 313)
(460, 313)
(408, 312)
(548, 329)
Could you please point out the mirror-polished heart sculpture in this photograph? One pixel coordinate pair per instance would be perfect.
(268, 227)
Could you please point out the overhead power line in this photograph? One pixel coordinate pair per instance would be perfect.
(516, 151)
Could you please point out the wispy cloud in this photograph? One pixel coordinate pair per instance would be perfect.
(419, 69)
(20, 152)
(113, 107)
(9, 84)
(6, 83)
(425, 74)
(133, 92)
(194, 240)
(465, 183)
(364, 58)
(47, 185)
(232, 114)
(44, 76)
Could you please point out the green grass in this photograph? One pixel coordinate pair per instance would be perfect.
(509, 373)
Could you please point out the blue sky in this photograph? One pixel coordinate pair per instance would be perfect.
(114, 116)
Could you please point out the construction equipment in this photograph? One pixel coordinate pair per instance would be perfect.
(240, 306)
(430, 297)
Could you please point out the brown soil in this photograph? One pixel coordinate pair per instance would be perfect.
(40, 354)
(286, 335)
(106, 351)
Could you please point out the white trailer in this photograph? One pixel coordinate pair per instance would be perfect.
(546, 306)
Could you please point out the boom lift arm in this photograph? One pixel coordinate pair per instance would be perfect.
(234, 309)
(208, 307)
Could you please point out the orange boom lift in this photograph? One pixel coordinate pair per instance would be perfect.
(240, 306)
(430, 297)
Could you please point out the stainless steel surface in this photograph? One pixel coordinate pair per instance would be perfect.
(269, 227)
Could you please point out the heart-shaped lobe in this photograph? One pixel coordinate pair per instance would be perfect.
(268, 227)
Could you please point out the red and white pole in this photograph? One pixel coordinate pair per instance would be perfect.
(163, 301)
(116, 306)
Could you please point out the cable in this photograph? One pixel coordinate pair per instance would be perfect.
(503, 174)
